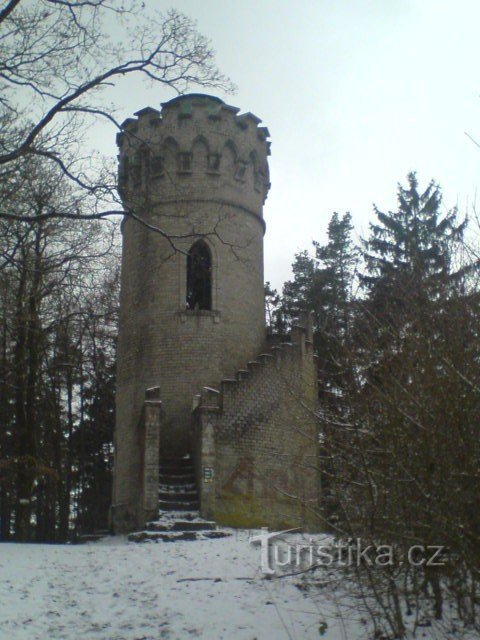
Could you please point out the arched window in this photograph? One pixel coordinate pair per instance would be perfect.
(199, 276)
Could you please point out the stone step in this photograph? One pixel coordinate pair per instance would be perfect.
(175, 472)
(185, 525)
(188, 476)
(176, 536)
(175, 463)
(179, 488)
(178, 496)
(178, 505)
(181, 525)
(178, 525)
(168, 517)
(90, 537)
(157, 526)
(177, 478)
(157, 536)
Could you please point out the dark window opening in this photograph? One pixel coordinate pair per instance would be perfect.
(214, 162)
(136, 168)
(184, 162)
(240, 171)
(146, 162)
(199, 277)
(123, 174)
(157, 165)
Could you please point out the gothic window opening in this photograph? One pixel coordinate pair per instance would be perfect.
(214, 162)
(184, 162)
(199, 277)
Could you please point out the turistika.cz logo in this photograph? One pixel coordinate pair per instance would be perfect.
(279, 555)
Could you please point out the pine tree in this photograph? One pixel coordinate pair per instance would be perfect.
(336, 262)
(338, 259)
(407, 468)
(273, 310)
(301, 294)
(323, 284)
(409, 255)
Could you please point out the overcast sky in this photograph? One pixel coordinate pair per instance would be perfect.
(355, 93)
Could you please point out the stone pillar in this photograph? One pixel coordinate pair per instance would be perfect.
(207, 414)
(151, 448)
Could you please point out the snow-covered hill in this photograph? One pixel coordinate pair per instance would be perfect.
(118, 590)
(213, 589)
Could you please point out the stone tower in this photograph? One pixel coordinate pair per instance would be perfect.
(193, 179)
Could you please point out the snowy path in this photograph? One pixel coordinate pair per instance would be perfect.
(114, 590)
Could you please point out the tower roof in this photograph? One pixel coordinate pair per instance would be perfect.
(192, 96)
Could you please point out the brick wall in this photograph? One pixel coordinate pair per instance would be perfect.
(259, 436)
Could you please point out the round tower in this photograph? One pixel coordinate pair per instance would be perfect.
(193, 179)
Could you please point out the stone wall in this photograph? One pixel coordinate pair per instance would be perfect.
(257, 441)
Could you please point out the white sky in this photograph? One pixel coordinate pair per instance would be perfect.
(355, 93)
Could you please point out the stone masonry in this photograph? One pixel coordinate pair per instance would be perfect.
(198, 171)
(258, 434)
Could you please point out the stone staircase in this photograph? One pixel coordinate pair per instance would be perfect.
(178, 517)
(177, 490)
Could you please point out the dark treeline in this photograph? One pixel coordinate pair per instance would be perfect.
(397, 334)
(58, 315)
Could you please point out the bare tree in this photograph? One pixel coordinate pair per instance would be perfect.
(50, 271)
(58, 58)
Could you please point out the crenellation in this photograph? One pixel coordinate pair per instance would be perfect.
(217, 137)
(130, 124)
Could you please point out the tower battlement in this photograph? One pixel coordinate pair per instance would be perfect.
(195, 147)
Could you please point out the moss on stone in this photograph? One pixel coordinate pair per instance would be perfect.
(241, 511)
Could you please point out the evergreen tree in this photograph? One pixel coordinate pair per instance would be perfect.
(337, 260)
(323, 283)
(92, 443)
(301, 294)
(409, 255)
(404, 469)
(273, 310)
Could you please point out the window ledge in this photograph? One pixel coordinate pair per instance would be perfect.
(184, 314)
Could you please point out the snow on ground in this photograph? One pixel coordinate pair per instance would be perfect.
(212, 589)
(116, 590)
